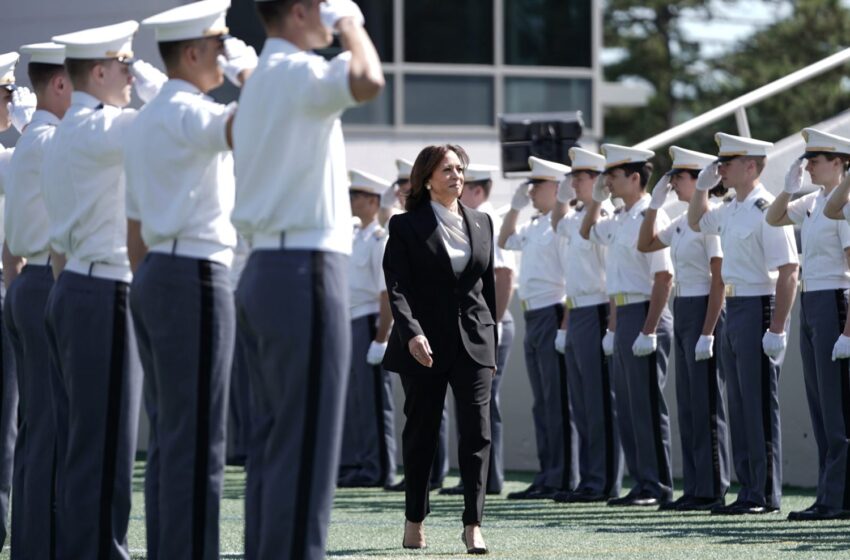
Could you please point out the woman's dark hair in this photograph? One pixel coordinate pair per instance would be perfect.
(844, 159)
(426, 162)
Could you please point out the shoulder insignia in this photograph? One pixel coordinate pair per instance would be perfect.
(761, 204)
(729, 198)
(808, 213)
(678, 229)
(618, 211)
(643, 213)
(535, 217)
(579, 206)
(603, 212)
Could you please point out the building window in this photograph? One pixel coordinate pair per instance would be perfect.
(456, 32)
(376, 112)
(533, 95)
(548, 33)
(448, 100)
(379, 24)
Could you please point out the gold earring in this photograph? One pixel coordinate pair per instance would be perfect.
(428, 186)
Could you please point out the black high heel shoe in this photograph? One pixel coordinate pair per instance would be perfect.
(472, 549)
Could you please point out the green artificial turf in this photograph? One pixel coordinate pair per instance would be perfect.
(368, 524)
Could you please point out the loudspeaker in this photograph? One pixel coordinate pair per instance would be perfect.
(548, 136)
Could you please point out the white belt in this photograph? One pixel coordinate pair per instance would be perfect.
(623, 298)
(196, 249)
(691, 290)
(117, 272)
(532, 304)
(586, 300)
(267, 241)
(39, 259)
(748, 290)
(817, 285)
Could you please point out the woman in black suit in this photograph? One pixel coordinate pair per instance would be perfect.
(439, 270)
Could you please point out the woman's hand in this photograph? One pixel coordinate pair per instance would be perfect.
(421, 350)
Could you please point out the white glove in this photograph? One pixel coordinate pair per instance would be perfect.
(660, 192)
(148, 80)
(238, 58)
(521, 198)
(566, 192)
(708, 177)
(645, 344)
(375, 354)
(841, 350)
(601, 193)
(331, 11)
(773, 344)
(561, 341)
(705, 347)
(794, 178)
(389, 198)
(499, 330)
(22, 107)
(608, 343)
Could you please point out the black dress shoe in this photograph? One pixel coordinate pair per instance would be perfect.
(435, 485)
(645, 500)
(581, 496)
(676, 504)
(727, 509)
(622, 501)
(534, 493)
(744, 508)
(702, 504)
(493, 492)
(452, 491)
(522, 494)
(818, 513)
(357, 482)
(399, 486)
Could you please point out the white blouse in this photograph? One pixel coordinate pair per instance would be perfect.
(454, 236)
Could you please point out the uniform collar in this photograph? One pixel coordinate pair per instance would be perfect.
(367, 231)
(757, 193)
(44, 117)
(177, 85)
(276, 45)
(640, 205)
(86, 100)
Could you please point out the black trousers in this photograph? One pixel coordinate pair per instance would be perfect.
(423, 408)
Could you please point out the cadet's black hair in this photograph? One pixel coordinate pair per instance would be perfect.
(80, 68)
(40, 74)
(642, 168)
(273, 11)
(171, 51)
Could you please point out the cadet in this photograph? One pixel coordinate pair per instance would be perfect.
(88, 322)
(292, 301)
(16, 108)
(477, 184)
(760, 275)
(541, 288)
(587, 321)
(180, 192)
(698, 309)
(239, 399)
(825, 279)
(640, 285)
(368, 440)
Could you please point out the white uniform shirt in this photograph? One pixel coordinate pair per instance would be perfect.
(541, 281)
(83, 182)
(5, 160)
(501, 258)
(824, 266)
(180, 182)
(291, 176)
(628, 270)
(691, 253)
(27, 224)
(752, 249)
(583, 260)
(365, 270)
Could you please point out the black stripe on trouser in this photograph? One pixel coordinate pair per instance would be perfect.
(765, 403)
(713, 391)
(311, 412)
(654, 403)
(566, 421)
(841, 306)
(378, 377)
(202, 420)
(607, 407)
(113, 413)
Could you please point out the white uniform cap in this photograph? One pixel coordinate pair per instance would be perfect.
(366, 182)
(45, 53)
(190, 21)
(616, 155)
(730, 146)
(689, 159)
(111, 41)
(479, 172)
(585, 160)
(817, 142)
(404, 168)
(543, 170)
(7, 68)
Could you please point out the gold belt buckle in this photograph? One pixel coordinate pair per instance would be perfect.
(571, 303)
(620, 298)
(524, 304)
(730, 290)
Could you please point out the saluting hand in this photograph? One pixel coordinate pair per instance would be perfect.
(421, 350)
(601, 193)
(660, 192)
(794, 178)
(708, 177)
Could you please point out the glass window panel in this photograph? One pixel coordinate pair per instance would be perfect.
(377, 112)
(533, 95)
(379, 24)
(458, 32)
(450, 100)
(548, 32)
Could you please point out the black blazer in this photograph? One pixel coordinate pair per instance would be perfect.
(427, 298)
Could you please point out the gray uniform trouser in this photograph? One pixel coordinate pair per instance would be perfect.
(641, 407)
(293, 317)
(752, 386)
(700, 386)
(368, 440)
(93, 343)
(184, 317)
(557, 438)
(600, 456)
(822, 317)
(239, 409)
